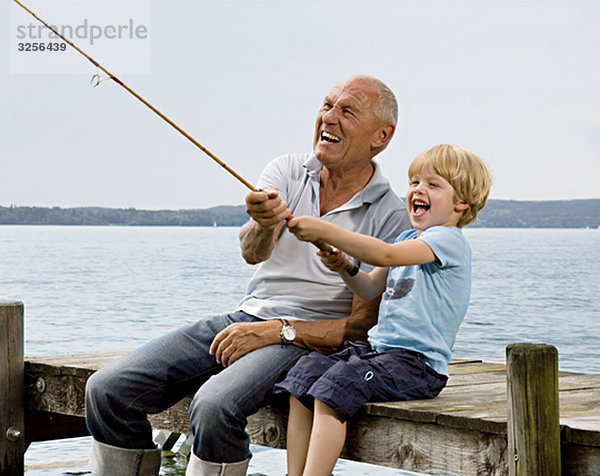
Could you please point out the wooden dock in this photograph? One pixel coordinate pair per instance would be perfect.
(463, 431)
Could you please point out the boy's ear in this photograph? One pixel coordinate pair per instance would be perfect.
(461, 206)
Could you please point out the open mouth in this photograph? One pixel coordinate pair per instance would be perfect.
(329, 137)
(420, 208)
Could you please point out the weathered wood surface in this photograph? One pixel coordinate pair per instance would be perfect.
(533, 410)
(12, 412)
(462, 431)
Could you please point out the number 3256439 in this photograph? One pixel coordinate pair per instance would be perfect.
(42, 46)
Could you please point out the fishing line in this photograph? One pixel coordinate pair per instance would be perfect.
(98, 78)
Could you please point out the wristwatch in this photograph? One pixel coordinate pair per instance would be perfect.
(288, 333)
(353, 271)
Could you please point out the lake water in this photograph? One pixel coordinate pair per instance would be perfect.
(113, 288)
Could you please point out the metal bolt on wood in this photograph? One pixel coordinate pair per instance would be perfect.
(13, 434)
(40, 385)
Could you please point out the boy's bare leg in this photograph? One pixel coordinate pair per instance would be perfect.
(298, 436)
(326, 440)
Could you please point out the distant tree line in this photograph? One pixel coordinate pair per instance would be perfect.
(540, 214)
(496, 214)
(219, 216)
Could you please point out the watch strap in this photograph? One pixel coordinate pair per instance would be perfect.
(354, 271)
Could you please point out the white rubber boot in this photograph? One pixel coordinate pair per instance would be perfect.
(107, 460)
(197, 467)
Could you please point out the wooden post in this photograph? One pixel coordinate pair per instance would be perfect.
(12, 412)
(533, 415)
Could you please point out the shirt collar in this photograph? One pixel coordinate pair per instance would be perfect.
(375, 188)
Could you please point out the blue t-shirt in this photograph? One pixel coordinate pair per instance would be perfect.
(424, 305)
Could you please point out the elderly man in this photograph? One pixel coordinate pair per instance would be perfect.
(292, 304)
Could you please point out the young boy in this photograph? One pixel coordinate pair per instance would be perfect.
(426, 275)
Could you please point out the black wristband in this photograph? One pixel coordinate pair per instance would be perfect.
(354, 271)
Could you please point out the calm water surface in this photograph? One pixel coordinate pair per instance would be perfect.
(106, 288)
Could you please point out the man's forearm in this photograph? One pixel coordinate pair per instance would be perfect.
(268, 214)
(328, 336)
(256, 242)
(324, 337)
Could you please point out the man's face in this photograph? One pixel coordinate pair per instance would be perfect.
(346, 127)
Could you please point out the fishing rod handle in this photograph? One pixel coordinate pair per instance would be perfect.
(351, 269)
(319, 244)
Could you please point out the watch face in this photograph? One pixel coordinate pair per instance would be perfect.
(289, 333)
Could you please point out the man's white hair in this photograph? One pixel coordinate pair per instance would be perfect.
(386, 107)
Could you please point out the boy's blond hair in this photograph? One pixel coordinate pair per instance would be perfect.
(466, 172)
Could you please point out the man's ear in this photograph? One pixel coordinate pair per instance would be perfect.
(383, 135)
(461, 206)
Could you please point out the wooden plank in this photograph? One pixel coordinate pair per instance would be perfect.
(533, 410)
(62, 390)
(483, 409)
(580, 460)
(76, 362)
(400, 444)
(12, 411)
(571, 381)
(473, 378)
(587, 423)
(581, 403)
(474, 391)
(45, 426)
(585, 437)
(462, 431)
(425, 447)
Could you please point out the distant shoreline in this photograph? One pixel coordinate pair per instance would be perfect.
(496, 214)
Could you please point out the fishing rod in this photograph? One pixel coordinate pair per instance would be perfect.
(96, 79)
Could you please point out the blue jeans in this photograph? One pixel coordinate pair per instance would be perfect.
(159, 374)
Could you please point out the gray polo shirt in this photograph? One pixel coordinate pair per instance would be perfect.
(293, 283)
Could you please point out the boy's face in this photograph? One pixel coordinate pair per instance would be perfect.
(430, 201)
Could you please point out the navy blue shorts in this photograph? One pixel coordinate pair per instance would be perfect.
(357, 374)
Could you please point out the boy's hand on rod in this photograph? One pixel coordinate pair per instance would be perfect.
(305, 228)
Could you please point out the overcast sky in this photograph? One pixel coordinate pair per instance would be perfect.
(517, 82)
